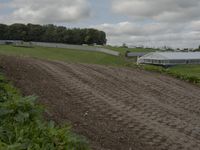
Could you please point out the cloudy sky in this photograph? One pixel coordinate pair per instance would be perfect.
(174, 23)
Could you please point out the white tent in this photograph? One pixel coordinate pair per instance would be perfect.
(170, 58)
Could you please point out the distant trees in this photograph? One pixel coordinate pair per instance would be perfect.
(51, 33)
(197, 49)
(3, 29)
(124, 45)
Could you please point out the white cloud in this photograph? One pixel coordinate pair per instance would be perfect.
(155, 23)
(153, 34)
(46, 11)
(138, 29)
(159, 10)
(195, 26)
(151, 22)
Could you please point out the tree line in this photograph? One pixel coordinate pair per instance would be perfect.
(51, 33)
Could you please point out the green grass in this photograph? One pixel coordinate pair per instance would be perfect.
(184, 71)
(189, 70)
(64, 55)
(190, 73)
(22, 126)
(123, 50)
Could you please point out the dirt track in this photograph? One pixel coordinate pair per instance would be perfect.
(115, 108)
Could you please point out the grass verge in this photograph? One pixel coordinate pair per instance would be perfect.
(123, 50)
(67, 55)
(189, 73)
(23, 128)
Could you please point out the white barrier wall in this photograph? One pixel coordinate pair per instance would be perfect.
(76, 47)
(1, 42)
(11, 41)
(67, 46)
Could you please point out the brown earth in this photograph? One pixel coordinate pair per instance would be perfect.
(114, 108)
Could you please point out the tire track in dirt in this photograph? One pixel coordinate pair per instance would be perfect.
(125, 113)
(134, 109)
(146, 108)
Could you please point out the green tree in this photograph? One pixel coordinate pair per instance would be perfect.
(17, 32)
(51, 33)
(3, 29)
(124, 45)
(35, 32)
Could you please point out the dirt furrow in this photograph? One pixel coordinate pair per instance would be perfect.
(115, 108)
(129, 95)
(140, 115)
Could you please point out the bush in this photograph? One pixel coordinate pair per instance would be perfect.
(22, 126)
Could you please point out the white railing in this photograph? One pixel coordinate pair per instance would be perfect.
(76, 47)
(67, 46)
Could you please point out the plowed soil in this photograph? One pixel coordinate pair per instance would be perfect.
(114, 108)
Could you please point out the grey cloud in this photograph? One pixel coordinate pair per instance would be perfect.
(47, 11)
(153, 34)
(195, 26)
(139, 29)
(160, 10)
(156, 22)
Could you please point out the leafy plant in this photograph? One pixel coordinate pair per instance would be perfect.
(23, 128)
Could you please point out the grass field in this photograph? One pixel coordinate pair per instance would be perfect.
(64, 55)
(189, 70)
(123, 50)
(182, 71)
(190, 73)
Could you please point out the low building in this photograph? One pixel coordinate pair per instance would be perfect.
(170, 58)
(135, 54)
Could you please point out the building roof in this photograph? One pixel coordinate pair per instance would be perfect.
(136, 54)
(172, 55)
